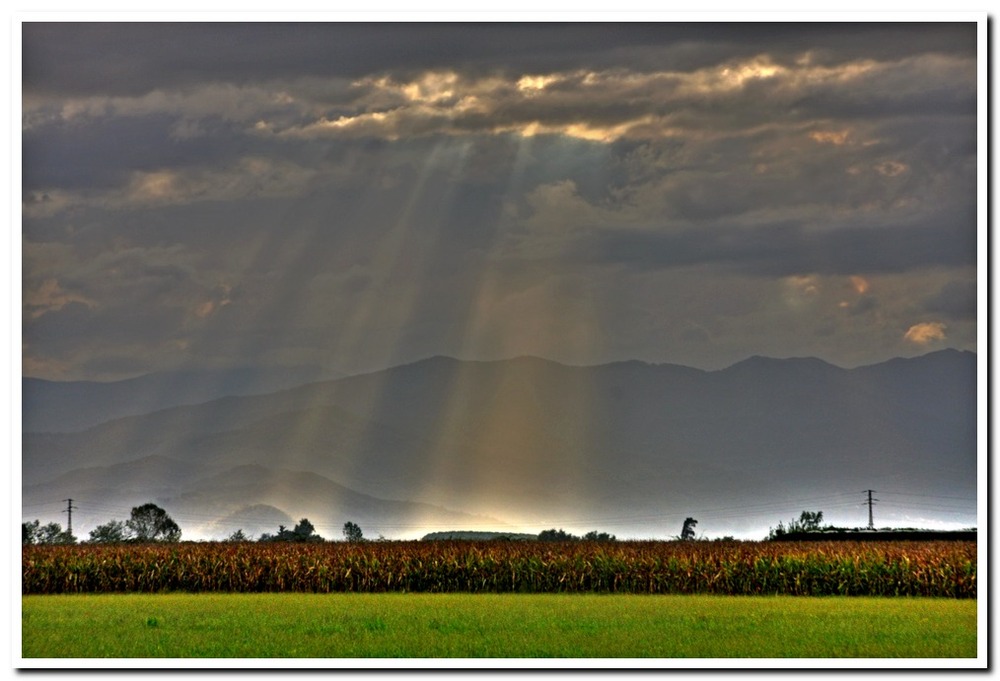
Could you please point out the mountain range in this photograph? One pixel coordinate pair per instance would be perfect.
(526, 444)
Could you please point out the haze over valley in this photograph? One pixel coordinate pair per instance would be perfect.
(525, 444)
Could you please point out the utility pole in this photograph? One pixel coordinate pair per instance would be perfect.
(871, 521)
(69, 516)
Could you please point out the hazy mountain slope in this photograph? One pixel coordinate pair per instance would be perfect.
(212, 503)
(254, 520)
(120, 485)
(50, 406)
(532, 439)
(326, 504)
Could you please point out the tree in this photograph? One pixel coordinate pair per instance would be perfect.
(556, 535)
(284, 534)
(305, 531)
(29, 532)
(151, 523)
(687, 531)
(53, 533)
(809, 520)
(111, 532)
(237, 536)
(594, 535)
(352, 532)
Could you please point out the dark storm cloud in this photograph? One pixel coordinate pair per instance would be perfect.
(101, 151)
(60, 57)
(789, 249)
(100, 154)
(365, 194)
(134, 58)
(98, 140)
(65, 328)
(956, 300)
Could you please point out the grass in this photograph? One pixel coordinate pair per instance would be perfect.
(493, 625)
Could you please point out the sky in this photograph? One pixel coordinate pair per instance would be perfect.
(354, 196)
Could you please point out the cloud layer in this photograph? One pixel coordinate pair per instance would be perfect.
(359, 195)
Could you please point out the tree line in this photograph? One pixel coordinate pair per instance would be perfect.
(560, 535)
(304, 531)
(150, 523)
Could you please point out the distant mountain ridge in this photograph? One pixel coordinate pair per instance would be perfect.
(529, 441)
(56, 406)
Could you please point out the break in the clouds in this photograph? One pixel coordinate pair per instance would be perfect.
(361, 195)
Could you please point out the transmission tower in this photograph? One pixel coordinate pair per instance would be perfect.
(871, 502)
(69, 515)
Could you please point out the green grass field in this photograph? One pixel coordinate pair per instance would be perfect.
(493, 625)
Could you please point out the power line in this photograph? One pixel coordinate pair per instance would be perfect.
(939, 509)
(927, 504)
(40, 503)
(930, 496)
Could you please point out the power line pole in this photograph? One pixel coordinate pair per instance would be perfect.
(871, 520)
(69, 515)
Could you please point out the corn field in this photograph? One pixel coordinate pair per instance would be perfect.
(898, 568)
